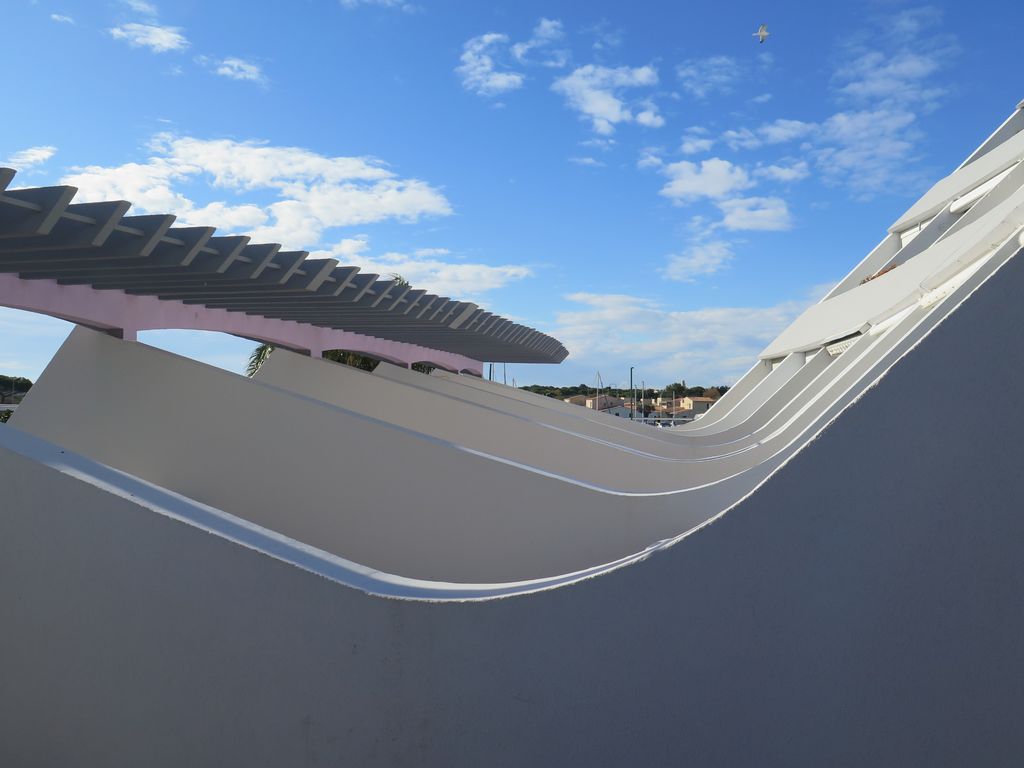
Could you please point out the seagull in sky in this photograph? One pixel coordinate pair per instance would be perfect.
(762, 33)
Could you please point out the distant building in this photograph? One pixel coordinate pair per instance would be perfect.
(603, 402)
(696, 405)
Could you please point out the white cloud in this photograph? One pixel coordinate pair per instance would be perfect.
(309, 193)
(896, 64)
(714, 178)
(782, 130)
(587, 161)
(649, 158)
(244, 218)
(424, 270)
(720, 180)
(30, 158)
(709, 345)
(348, 249)
(400, 4)
(596, 92)
(648, 116)
(867, 149)
(545, 34)
(696, 140)
(702, 77)
(887, 79)
(478, 70)
(141, 6)
(756, 213)
(742, 138)
(235, 68)
(605, 36)
(693, 146)
(784, 173)
(776, 132)
(482, 71)
(158, 39)
(874, 75)
(697, 260)
(603, 144)
(763, 98)
(60, 19)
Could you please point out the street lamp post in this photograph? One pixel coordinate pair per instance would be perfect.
(633, 393)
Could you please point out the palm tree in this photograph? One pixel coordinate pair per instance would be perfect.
(262, 352)
(257, 358)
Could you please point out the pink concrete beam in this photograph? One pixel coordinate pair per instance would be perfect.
(117, 311)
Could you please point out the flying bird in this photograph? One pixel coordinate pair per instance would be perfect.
(762, 33)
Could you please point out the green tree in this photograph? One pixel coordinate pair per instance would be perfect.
(676, 390)
(13, 388)
(257, 358)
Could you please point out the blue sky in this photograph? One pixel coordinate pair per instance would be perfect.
(644, 181)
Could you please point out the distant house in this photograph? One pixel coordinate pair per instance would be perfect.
(669, 403)
(697, 405)
(603, 402)
(598, 402)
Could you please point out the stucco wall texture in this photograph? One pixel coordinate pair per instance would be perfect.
(863, 607)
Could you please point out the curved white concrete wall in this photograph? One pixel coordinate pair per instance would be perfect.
(963, 179)
(553, 508)
(517, 433)
(340, 481)
(532, 525)
(870, 617)
(853, 310)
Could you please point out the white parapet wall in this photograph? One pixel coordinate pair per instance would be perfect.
(371, 491)
(861, 608)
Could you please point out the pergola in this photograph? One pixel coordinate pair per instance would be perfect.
(94, 265)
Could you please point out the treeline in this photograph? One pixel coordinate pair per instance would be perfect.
(676, 390)
(13, 388)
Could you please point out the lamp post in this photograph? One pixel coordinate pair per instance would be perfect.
(632, 411)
